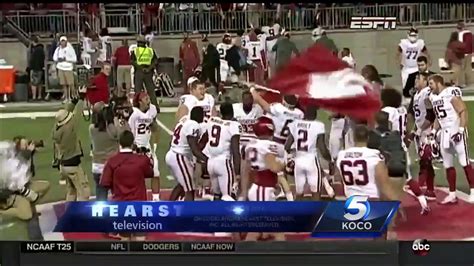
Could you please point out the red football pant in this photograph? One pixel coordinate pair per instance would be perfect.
(257, 74)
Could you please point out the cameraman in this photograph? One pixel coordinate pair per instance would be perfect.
(104, 133)
(69, 150)
(17, 191)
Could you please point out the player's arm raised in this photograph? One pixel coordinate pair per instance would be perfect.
(259, 100)
(383, 182)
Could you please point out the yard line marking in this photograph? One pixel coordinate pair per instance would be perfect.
(459, 194)
(163, 126)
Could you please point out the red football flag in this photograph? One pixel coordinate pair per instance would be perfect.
(320, 78)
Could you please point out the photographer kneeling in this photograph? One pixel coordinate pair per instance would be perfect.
(69, 150)
(104, 133)
(17, 191)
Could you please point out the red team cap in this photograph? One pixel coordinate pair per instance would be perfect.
(264, 127)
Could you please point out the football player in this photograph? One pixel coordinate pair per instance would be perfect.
(256, 54)
(407, 53)
(397, 116)
(142, 123)
(283, 114)
(197, 93)
(185, 145)
(262, 157)
(246, 113)
(363, 170)
(272, 33)
(224, 153)
(309, 136)
(451, 121)
(421, 112)
(222, 48)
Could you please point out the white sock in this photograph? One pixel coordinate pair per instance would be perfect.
(422, 201)
(155, 196)
(452, 194)
(472, 191)
(289, 196)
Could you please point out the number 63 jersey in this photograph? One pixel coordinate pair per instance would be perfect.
(357, 168)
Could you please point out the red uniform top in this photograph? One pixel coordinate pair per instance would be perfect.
(125, 174)
(465, 37)
(99, 92)
(122, 56)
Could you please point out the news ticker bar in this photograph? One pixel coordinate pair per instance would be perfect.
(121, 247)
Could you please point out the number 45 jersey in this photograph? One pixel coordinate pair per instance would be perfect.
(357, 168)
(282, 117)
(447, 116)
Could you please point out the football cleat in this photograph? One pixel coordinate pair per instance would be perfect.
(430, 195)
(450, 199)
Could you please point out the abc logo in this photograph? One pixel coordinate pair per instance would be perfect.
(421, 247)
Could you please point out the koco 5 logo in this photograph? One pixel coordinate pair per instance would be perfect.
(421, 247)
(356, 210)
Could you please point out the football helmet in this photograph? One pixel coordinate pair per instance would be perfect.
(264, 127)
(412, 35)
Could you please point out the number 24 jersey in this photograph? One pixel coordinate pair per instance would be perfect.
(140, 122)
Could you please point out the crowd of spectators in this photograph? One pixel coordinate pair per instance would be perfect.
(166, 18)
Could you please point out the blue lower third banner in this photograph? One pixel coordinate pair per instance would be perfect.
(221, 216)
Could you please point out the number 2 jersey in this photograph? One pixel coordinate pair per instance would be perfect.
(305, 134)
(357, 168)
(140, 123)
(282, 117)
(179, 141)
(220, 133)
(255, 153)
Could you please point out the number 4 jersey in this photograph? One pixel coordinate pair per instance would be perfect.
(140, 123)
(357, 168)
(179, 141)
(282, 117)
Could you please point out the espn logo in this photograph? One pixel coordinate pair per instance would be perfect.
(421, 247)
(370, 23)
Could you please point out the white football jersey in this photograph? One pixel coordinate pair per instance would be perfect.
(189, 101)
(220, 133)
(419, 105)
(402, 121)
(411, 51)
(447, 116)
(357, 168)
(393, 117)
(282, 117)
(140, 125)
(208, 105)
(87, 45)
(104, 41)
(271, 32)
(222, 49)
(254, 49)
(247, 120)
(256, 150)
(305, 134)
(179, 141)
(455, 91)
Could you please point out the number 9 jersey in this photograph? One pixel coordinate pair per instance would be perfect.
(357, 168)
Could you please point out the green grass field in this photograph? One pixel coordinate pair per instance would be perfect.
(40, 128)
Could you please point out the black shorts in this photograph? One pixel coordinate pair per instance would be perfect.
(36, 77)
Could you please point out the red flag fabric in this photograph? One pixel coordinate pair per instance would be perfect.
(320, 78)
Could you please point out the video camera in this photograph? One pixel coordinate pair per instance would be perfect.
(118, 107)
